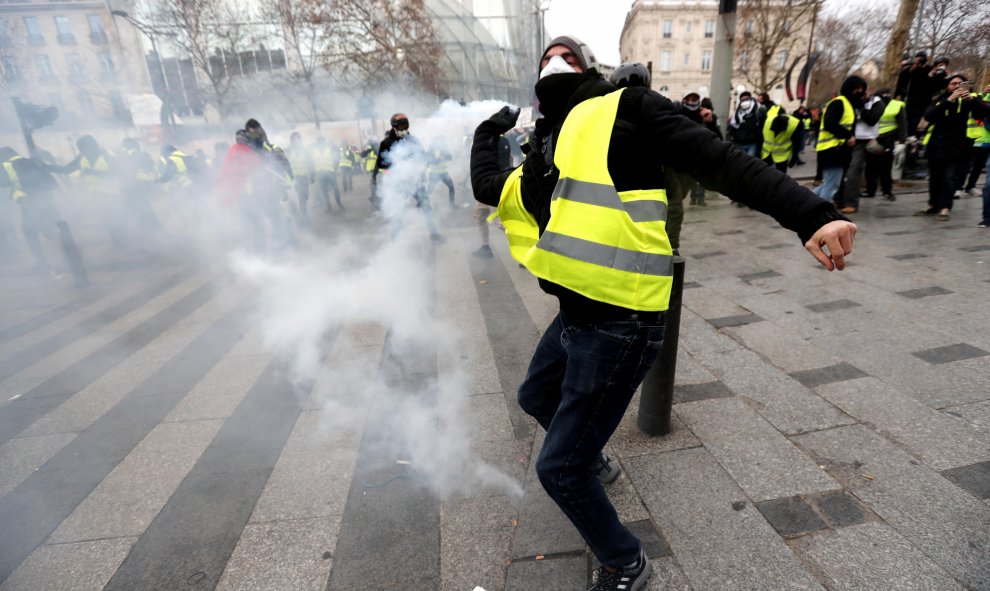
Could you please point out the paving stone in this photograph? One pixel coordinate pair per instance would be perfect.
(782, 347)
(728, 232)
(705, 255)
(789, 406)
(832, 306)
(566, 572)
(698, 337)
(709, 303)
(21, 456)
(739, 320)
(946, 523)
(917, 294)
(128, 499)
(950, 353)
(901, 232)
(217, 395)
(628, 441)
(840, 509)
(764, 463)
(839, 372)
(908, 256)
(974, 478)
(976, 414)
(776, 246)
(689, 371)
(704, 514)
(940, 441)
(624, 496)
(696, 392)
(667, 576)
(977, 248)
(294, 554)
(790, 516)
(872, 556)
(475, 541)
(761, 275)
(691, 285)
(653, 542)
(82, 566)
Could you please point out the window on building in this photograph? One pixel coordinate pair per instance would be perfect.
(706, 60)
(11, 70)
(665, 60)
(97, 34)
(85, 103)
(687, 27)
(4, 38)
(783, 59)
(45, 70)
(743, 60)
(64, 30)
(668, 29)
(76, 69)
(34, 36)
(687, 59)
(106, 65)
(709, 29)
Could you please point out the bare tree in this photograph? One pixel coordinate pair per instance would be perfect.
(10, 69)
(898, 41)
(946, 25)
(770, 35)
(209, 33)
(844, 44)
(383, 43)
(306, 42)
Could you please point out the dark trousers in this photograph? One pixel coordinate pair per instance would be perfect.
(347, 178)
(301, 184)
(978, 164)
(444, 178)
(942, 177)
(579, 383)
(878, 167)
(325, 183)
(781, 166)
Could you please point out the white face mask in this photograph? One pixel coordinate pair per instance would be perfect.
(746, 104)
(556, 65)
(401, 132)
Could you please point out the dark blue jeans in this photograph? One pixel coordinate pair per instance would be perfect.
(578, 386)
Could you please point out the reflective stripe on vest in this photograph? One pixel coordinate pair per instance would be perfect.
(974, 127)
(371, 159)
(92, 182)
(346, 158)
(324, 159)
(607, 246)
(888, 121)
(825, 138)
(181, 178)
(299, 162)
(778, 145)
(17, 189)
(437, 163)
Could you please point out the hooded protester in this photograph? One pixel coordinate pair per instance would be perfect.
(586, 214)
(836, 137)
(746, 124)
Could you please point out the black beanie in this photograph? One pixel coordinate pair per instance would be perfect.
(577, 47)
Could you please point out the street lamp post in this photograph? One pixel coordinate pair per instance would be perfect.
(150, 34)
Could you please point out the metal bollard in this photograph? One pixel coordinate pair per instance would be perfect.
(657, 396)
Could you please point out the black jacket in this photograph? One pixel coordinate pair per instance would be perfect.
(949, 140)
(384, 160)
(648, 135)
(34, 177)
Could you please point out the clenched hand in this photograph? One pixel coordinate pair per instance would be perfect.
(832, 243)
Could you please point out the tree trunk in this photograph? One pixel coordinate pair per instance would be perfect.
(898, 40)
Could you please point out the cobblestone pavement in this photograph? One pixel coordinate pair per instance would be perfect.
(831, 430)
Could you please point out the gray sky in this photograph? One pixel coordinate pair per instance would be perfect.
(599, 22)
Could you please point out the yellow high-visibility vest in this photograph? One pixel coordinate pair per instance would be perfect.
(346, 158)
(608, 246)
(181, 178)
(93, 183)
(779, 145)
(324, 158)
(888, 121)
(371, 159)
(825, 138)
(437, 163)
(17, 191)
(974, 127)
(299, 162)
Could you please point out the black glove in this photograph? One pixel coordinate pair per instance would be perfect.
(505, 119)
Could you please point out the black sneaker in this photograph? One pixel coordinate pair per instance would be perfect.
(605, 470)
(890, 197)
(631, 579)
(484, 252)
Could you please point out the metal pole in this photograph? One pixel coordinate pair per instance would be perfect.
(916, 42)
(28, 138)
(722, 58)
(657, 396)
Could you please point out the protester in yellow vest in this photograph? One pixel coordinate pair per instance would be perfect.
(979, 132)
(346, 166)
(99, 180)
(836, 138)
(325, 159)
(301, 161)
(586, 213)
(438, 169)
(892, 130)
(781, 143)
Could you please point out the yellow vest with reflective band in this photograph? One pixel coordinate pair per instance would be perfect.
(974, 127)
(825, 138)
(141, 174)
(984, 138)
(95, 183)
(346, 158)
(928, 135)
(888, 121)
(181, 178)
(371, 159)
(323, 159)
(299, 162)
(607, 246)
(18, 191)
(778, 145)
(437, 163)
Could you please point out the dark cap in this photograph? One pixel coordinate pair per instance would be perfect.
(577, 47)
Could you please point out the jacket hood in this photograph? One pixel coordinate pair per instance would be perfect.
(850, 84)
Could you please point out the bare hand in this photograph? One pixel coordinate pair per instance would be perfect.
(837, 239)
(851, 141)
(706, 115)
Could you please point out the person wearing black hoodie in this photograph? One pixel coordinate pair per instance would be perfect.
(585, 213)
(836, 137)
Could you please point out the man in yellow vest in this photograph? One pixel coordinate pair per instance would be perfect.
(586, 214)
(325, 159)
(781, 142)
(32, 189)
(948, 149)
(301, 161)
(836, 138)
(977, 130)
(346, 166)
(437, 170)
(891, 130)
(99, 179)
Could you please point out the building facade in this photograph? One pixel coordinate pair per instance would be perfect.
(71, 55)
(676, 39)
